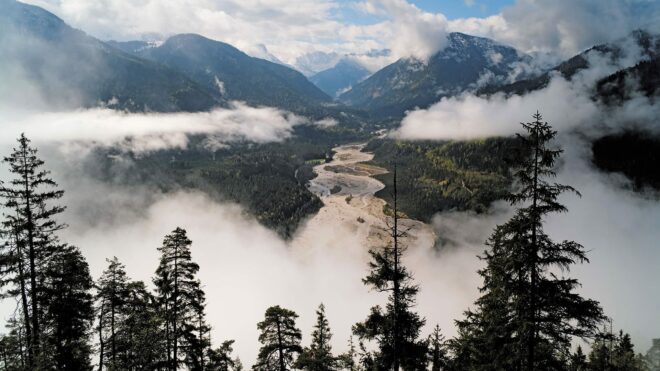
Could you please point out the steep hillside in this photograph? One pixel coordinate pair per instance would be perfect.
(63, 67)
(648, 45)
(235, 75)
(465, 63)
(343, 76)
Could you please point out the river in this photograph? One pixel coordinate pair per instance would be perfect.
(347, 189)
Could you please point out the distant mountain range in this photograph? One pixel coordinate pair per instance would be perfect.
(235, 75)
(186, 73)
(648, 45)
(465, 63)
(314, 62)
(67, 68)
(340, 78)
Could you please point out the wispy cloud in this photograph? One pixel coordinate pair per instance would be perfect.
(143, 132)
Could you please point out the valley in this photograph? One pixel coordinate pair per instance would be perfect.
(347, 189)
(183, 183)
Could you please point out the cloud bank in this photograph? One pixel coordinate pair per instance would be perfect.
(617, 227)
(291, 29)
(144, 132)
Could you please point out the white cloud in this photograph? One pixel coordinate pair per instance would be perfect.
(409, 31)
(143, 132)
(617, 227)
(469, 116)
(563, 27)
(567, 104)
(291, 29)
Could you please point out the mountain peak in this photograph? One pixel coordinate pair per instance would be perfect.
(466, 62)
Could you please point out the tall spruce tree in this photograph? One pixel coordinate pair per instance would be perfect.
(69, 310)
(141, 330)
(318, 356)
(348, 359)
(280, 339)
(437, 350)
(615, 352)
(178, 293)
(197, 334)
(397, 328)
(220, 359)
(578, 361)
(29, 220)
(112, 295)
(529, 310)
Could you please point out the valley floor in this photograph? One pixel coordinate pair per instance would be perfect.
(347, 189)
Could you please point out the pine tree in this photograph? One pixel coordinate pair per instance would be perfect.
(437, 350)
(13, 351)
(528, 314)
(69, 310)
(280, 339)
(140, 329)
(197, 334)
(578, 361)
(112, 294)
(318, 356)
(397, 328)
(347, 360)
(487, 337)
(29, 221)
(180, 301)
(615, 352)
(220, 359)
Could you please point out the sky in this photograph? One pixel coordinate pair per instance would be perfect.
(623, 254)
(409, 28)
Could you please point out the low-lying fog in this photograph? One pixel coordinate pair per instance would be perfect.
(245, 267)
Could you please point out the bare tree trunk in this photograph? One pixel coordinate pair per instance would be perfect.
(174, 308)
(280, 346)
(395, 237)
(24, 300)
(101, 343)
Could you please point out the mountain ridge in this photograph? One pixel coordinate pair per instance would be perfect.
(409, 83)
(69, 69)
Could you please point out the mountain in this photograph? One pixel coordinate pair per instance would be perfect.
(132, 47)
(235, 75)
(623, 85)
(642, 42)
(465, 63)
(314, 62)
(59, 66)
(261, 51)
(343, 76)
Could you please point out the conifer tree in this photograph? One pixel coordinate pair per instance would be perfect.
(348, 359)
(437, 350)
(615, 352)
(397, 328)
(280, 339)
(197, 334)
(28, 199)
(13, 351)
(535, 309)
(112, 294)
(578, 361)
(220, 359)
(318, 356)
(178, 293)
(69, 310)
(140, 330)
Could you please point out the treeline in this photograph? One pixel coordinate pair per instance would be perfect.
(467, 175)
(526, 318)
(268, 180)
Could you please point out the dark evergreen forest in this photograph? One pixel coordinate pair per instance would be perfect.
(527, 316)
